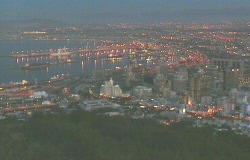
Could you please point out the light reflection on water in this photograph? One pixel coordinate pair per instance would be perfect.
(10, 68)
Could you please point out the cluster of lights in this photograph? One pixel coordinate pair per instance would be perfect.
(245, 80)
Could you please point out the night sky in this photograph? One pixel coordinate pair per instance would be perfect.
(108, 11)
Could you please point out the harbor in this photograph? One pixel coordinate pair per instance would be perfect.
(26, 66)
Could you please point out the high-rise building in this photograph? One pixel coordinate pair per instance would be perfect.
(231, 79)
(234, 95)
(179, 83)
(160, 83)
(108, 89)
(130, 77)
(195, 88)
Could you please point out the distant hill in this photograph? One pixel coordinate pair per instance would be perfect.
(14, 25)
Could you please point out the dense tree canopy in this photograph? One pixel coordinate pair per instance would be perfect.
(83, 135)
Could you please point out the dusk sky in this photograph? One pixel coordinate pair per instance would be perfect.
(108, 11)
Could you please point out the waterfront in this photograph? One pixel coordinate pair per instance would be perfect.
(11, 67)
(124, 80)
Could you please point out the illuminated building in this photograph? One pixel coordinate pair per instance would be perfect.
(245, 80)
(66, 90)
(34, 32)
(40, 94)
(199, 85)
(109, 90)
(195, 88)
(228, 63)
(227, 104)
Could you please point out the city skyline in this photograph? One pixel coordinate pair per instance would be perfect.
(124, 80)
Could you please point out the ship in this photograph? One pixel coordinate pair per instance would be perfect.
(61, 52)
(65, 61)
(35, 66)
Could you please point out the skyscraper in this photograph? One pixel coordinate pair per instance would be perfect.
(108, 89)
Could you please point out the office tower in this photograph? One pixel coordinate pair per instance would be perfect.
(231, 79)
(130, 77)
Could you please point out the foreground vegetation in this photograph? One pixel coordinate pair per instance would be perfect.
(82, 135)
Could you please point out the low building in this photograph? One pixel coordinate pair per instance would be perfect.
(142, 92)
(97, 104)
(227, 104)
(40, 94)
(246, 109)
(206, 100)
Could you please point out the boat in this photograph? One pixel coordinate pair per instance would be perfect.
(35, 66)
